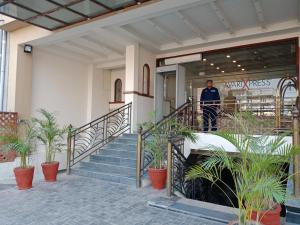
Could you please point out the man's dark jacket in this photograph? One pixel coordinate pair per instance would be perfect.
(210, 96)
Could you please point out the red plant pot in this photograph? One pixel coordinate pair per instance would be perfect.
(24, 177)
(50, 171)
(158, 177)
(268, 217)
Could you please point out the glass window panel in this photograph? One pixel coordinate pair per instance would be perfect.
(40, 6)
(114, 4)
(65, 2)
(66, 15)
(16, 11)
(88, 8)
(46, 22)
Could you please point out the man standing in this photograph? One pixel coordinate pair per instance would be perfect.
(209, 101)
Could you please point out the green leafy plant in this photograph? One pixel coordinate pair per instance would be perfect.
(156, 144)
(50, 134)
(257, 170)
(22, 144)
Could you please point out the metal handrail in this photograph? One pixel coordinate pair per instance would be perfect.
(177, 166)
(144, 158)
(90, 137)
(279, 116)
(100, 118)
(147, 132)
(189, 113)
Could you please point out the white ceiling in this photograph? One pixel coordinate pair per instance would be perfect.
(169, 25)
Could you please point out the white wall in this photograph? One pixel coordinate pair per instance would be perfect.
(145, 109)
(58, 85)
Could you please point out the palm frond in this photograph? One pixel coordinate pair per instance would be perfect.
(49, 133)
(199, 172)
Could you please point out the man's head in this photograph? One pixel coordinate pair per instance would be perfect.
(209, 83)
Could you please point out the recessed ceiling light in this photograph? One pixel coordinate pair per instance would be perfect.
(243, 69)
(228, 56)
(217, 68)
(204, 59)
(211, 64)
(234, 61)
(238, 65)
(223, 71)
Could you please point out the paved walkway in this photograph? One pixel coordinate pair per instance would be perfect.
(76, 200)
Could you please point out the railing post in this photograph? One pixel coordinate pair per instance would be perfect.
(296, 160)
(139, 158)
(169, 168)
(69, 149)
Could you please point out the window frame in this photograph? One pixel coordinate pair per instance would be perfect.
(118, 81)
(146, 68)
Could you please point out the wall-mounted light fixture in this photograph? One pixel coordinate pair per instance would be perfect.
(28, 48)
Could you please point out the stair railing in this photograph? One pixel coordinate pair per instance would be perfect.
(183, 114)
(177, 166)
(89, 138)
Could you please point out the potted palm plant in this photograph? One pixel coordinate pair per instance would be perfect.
(257, 171)
(156, 146)
(23, 145)
(52, 137)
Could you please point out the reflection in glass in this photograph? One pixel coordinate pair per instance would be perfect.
(16, 11)
(88, 8)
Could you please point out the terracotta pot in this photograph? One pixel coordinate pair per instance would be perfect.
(24, 177)
(268, 217)
(158, 177)
(50, 171)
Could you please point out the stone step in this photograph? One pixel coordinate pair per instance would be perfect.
(113, 160)
(118, 153)
(129, 136)
(109, 168)
(216, 213)
(120, 179)
(122, 140)
(292, 217)
(120, 146)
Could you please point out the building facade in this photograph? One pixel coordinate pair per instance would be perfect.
(155, 54)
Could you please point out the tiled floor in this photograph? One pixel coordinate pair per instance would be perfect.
(77, 200)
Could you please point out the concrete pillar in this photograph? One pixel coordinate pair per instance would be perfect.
(20, 82)
(132, 81)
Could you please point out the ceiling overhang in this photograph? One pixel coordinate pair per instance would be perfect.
(56, 14)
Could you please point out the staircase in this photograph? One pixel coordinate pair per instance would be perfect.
(115, 162)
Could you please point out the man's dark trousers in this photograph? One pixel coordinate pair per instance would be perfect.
(209, 112)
